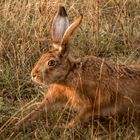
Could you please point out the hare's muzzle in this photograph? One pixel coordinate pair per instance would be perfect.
(36, 77)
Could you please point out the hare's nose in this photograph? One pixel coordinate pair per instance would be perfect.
(33, 75)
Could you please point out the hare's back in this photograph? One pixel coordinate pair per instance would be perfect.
(94, 67)
(111, 75)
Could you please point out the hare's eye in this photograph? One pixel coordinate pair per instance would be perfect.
(51, 63)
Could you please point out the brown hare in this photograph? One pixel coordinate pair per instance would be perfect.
(89, 84)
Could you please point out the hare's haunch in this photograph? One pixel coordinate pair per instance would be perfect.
(88, 84)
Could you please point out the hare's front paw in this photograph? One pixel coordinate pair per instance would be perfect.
(15, 128)
(71, 124)
(75, 123)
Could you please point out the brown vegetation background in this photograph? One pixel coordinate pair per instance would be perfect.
(110, 28)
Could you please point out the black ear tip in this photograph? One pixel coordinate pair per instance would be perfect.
(81, 15)
(62, 11)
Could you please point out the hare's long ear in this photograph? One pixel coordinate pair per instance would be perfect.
(59, 25)
(68, 34)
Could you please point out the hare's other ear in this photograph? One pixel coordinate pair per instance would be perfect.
(59, 25)
(68, 34)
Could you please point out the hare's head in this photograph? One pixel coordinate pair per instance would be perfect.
(54, 65)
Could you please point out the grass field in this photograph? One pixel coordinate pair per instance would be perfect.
(110, 28)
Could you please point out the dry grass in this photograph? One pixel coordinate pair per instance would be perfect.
(110, 28)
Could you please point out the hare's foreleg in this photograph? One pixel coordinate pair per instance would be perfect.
(49, 100)
(28, 120)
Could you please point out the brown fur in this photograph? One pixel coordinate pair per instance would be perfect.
(88, 84)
